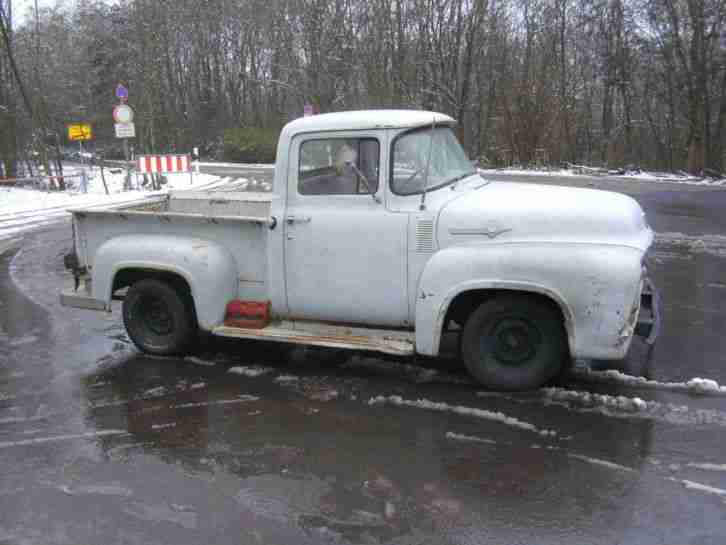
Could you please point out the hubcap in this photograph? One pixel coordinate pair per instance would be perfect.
(513, 341)
(156, 316)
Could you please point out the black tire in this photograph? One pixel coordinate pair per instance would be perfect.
(159, 319)
(514, 342)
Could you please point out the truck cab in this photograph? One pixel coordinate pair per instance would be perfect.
(380, 235)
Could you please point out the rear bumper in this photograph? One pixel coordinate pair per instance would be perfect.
(649, 318)
(79, 295)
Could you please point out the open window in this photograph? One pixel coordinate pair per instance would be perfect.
(336, 166)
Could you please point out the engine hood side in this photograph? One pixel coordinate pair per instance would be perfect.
(504, 212)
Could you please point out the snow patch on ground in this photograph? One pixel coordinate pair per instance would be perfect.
(574, 456)
(707, 467)
(690, 485)
(640, 176)
(251, 371)
(527, 172)
(460, 409)
(199, 361)
(617, 406)
(469, 438)
(163, 426)
(696, 244)
(287, 378)
(699, 386)
(57, 438)
(22, 209)
(618, 403)
(599, 462)
(627, 407)
(260, 166)
(240, 399)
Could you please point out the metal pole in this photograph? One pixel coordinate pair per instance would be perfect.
(127, 181)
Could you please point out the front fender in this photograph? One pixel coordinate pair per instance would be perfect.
(208, 268)
(595, 287)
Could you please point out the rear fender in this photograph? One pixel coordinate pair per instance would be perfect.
(208, 268)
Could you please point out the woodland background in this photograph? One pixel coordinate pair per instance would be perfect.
(596, 82)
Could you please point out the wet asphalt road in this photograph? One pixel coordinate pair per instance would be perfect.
(99, 444)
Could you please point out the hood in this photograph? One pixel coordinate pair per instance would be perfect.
(515, 212)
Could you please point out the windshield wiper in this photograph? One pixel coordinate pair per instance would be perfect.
(455, 179)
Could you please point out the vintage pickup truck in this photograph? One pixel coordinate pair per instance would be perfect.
(379, 235)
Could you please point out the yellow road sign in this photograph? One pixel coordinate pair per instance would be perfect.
(80, 131)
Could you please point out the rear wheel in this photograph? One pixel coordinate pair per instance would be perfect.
(514, 342)
(158, 318)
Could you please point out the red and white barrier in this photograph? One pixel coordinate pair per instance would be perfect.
(163, 163)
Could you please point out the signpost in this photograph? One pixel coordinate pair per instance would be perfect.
(80, 132)
(123, 116)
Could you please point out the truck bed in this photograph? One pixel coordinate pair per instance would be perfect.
(237, 221)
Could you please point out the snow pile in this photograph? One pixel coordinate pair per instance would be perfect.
(627, 407)
(619, 403)
(701, 386)
(700, 244)
(459, 409)
(251, 371)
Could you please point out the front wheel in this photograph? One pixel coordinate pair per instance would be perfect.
(158, 319)
(514, 342)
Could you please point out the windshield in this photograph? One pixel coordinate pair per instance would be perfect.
(447, 162)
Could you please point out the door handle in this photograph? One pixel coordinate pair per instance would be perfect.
(290, 219)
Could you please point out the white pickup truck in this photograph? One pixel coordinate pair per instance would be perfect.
(379, 235)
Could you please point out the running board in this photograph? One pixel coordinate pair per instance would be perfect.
(399, 343)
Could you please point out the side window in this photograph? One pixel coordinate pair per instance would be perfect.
(338, 166)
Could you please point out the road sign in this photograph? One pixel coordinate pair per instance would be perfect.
(78, 132)
(123, 114)
(125, 130)
(121, 92)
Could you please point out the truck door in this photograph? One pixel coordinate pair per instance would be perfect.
(345, 253)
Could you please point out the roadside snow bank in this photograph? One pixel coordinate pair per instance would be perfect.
(698, 386)
(254, 166)
(640, 176)
(24, 209)
(460, 409)
(697, 244)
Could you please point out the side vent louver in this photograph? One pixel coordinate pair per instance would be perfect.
(425, 236)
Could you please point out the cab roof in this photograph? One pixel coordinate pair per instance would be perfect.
(366, 119)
